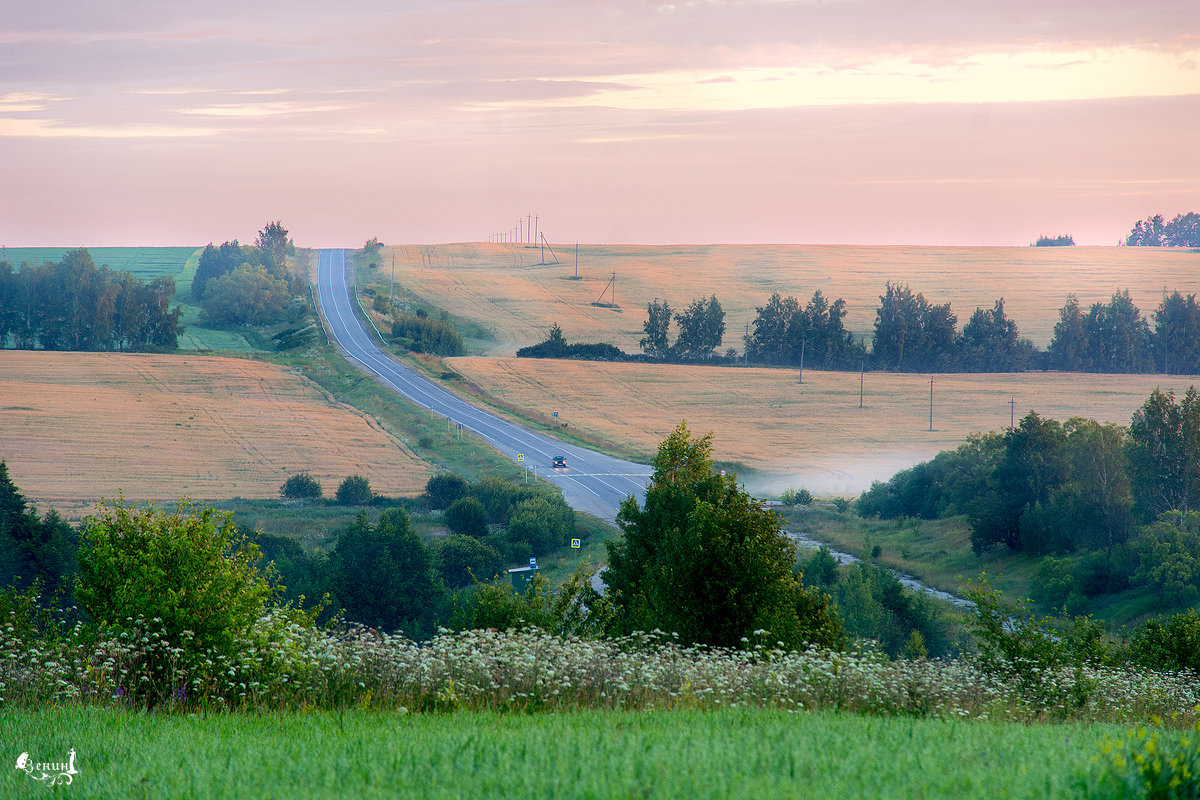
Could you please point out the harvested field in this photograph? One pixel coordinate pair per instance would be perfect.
(505, 289)
(75, 427)
(812, 434)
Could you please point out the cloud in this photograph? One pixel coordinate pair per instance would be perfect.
(255, 110)
(47, 129)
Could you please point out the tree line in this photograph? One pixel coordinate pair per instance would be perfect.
(1181, 231)
(76, 305)
(1120, 505)
(238, 284)
(914, 334)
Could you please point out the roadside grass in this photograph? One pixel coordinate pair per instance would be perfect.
(589, 754)
(419, 430)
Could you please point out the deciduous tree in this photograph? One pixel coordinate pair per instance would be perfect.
(704, 560)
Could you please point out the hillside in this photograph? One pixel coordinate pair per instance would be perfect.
(508, 291)
(812, 434)
(79, 426)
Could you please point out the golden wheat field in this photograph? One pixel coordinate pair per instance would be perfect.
(75, 427)
(507, 290)
(812, 434)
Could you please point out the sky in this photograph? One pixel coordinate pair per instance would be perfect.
(933, 122)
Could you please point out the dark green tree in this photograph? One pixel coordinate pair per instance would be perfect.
(383, 576)
(1169, 558)
(701, 329)
(545, 523)
(770, 337)
(1150, 232)
(443, 489)
(301, 486)
(1118, 336)
(1033, 467)
(657, 327)
(704, 560)
(466, 516)
(32, 549)
(464, 559)
(1164, 454)
(355, 490)
(1177, 335)
(249, 295)
(911, 333)
(990, 342)
(273, 239)
(1069, 347)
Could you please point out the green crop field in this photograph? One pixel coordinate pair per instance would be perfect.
(728, 753)
(145, 262)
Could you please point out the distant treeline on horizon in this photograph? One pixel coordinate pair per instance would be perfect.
(913, 334)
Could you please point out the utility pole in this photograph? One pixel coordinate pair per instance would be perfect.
(528, 229)
(576, 259)
(520, 230)
(745, 346)
(931, 405)
(862, 372)
(1012, 413)
(536, 228)
(802, 341)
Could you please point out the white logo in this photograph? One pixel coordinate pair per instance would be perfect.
(53, 773)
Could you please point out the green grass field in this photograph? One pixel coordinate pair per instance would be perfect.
(678, 754)
(147, 263)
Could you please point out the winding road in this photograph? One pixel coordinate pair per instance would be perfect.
(592, 482)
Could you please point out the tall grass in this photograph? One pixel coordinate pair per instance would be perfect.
(286, 664)
(693, 754)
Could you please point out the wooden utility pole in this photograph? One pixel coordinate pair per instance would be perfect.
(862, 372)
(931, 404)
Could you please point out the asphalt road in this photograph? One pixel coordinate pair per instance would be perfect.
(592, 482)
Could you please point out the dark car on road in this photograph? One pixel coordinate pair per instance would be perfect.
(560, 462)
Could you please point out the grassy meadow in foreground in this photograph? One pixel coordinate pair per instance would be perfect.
(812, 434)
(76, 427)
(505, 289)
(727, 753)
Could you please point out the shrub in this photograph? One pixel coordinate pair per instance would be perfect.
(1029, 652)
(467, 517)
(1168, 644)
(544, 523)
(442, 490)
(355, 490)
(842, 504)
(461, 557)
(804, 497)
(301, 486)
(423, 335)
(190, 573)
(384, 576)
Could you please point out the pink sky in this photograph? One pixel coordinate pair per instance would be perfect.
(858, 121)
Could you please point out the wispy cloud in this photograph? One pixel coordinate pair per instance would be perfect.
(54, 129)
(258, 110)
